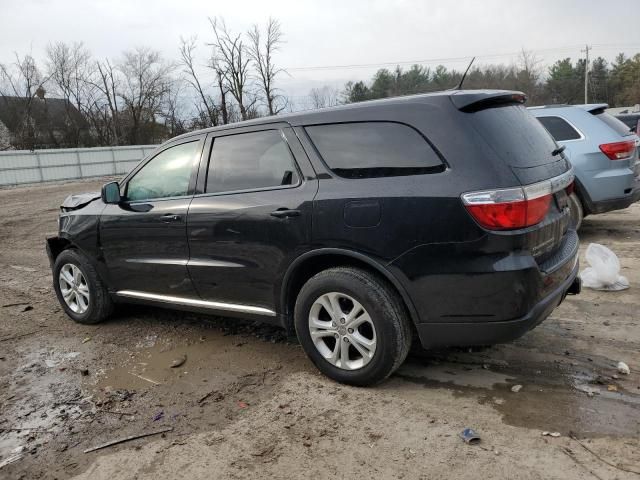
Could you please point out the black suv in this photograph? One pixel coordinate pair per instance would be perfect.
(441, 217)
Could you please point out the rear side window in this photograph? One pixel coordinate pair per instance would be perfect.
(374, 149)
(559, 128)
(619, 127)
(248, 161)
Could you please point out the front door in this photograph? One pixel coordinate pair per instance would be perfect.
(251, 219)
(144, 238)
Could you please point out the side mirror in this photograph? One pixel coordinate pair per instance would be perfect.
(110, 193)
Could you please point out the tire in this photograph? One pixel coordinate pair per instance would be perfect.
(89, 302)
(382, 330)
(577, 211)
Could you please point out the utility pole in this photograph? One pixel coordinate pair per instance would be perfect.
(586, 72)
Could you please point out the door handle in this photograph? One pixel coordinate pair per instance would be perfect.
(285, 212)
(170, 217)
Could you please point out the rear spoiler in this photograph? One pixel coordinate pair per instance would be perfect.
(594, 108)
(472, 101)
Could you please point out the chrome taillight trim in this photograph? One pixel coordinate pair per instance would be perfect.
(519, 194)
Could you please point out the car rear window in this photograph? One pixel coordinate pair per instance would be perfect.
(559, 128)
(618, 126)
(515, 135)
(374, 149)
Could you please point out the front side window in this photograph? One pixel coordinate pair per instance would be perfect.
(559, 129)
(374, 149)
(166, 175)
(248, 161)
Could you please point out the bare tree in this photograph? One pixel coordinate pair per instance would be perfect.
(324, 97)
(146, 82)
(104, 108)
(216, 66)
(206, 103)
(528, 74)
(173, 117)
(23, 80)
(233, 60)
(69, 70)
(261, 52)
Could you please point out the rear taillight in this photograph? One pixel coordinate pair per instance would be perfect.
(618, 150)
(513, 208)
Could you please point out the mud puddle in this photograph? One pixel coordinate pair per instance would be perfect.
(197, 359)
(580, 403)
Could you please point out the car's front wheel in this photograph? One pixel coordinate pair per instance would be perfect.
(79, 289)
(352, 325)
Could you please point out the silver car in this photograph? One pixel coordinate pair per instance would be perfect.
(604, 154)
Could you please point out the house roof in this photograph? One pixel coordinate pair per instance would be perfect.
(54, 112)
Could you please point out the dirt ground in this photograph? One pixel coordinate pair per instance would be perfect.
(247, 403)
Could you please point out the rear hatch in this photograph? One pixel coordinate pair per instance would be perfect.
(539, 167)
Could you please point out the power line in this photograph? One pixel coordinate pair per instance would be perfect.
(456, 59)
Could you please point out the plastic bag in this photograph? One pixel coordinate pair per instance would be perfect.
(604, 272)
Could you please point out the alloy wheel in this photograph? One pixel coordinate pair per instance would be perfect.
(74, 288)
(342, 331)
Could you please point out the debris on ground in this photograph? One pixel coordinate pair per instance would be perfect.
(470, 436)
(126, 439)
(551, 434)
(86, 339)
(178, 362)
(16, 454)
(623, 368)
(604, 271)
(120, 395)
(612, 388)
(158, 416)
(215, 395)
(516, 388)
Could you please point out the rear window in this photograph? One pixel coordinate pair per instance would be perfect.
(629, 120)
(374, 149)
(619, 127)
(515, 135)
(559, 128)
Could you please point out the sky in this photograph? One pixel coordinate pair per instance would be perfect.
(323, 37)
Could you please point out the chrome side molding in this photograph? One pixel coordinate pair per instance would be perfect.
(230, 307)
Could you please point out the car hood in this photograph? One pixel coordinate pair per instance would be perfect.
(74, 202)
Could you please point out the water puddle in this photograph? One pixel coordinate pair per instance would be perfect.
(549, 400)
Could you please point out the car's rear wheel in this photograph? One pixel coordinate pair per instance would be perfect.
(576, 211)
(352, 325)
(79, 289)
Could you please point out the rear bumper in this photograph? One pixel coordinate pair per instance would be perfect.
(475, 299)
(609, 190)
(616, 203)
(488, 333)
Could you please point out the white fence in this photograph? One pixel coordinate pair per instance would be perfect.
(25, 166)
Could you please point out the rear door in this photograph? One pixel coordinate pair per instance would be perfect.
(250, 217)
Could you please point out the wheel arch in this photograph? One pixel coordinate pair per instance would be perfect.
(310, 263)
(56, 245)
